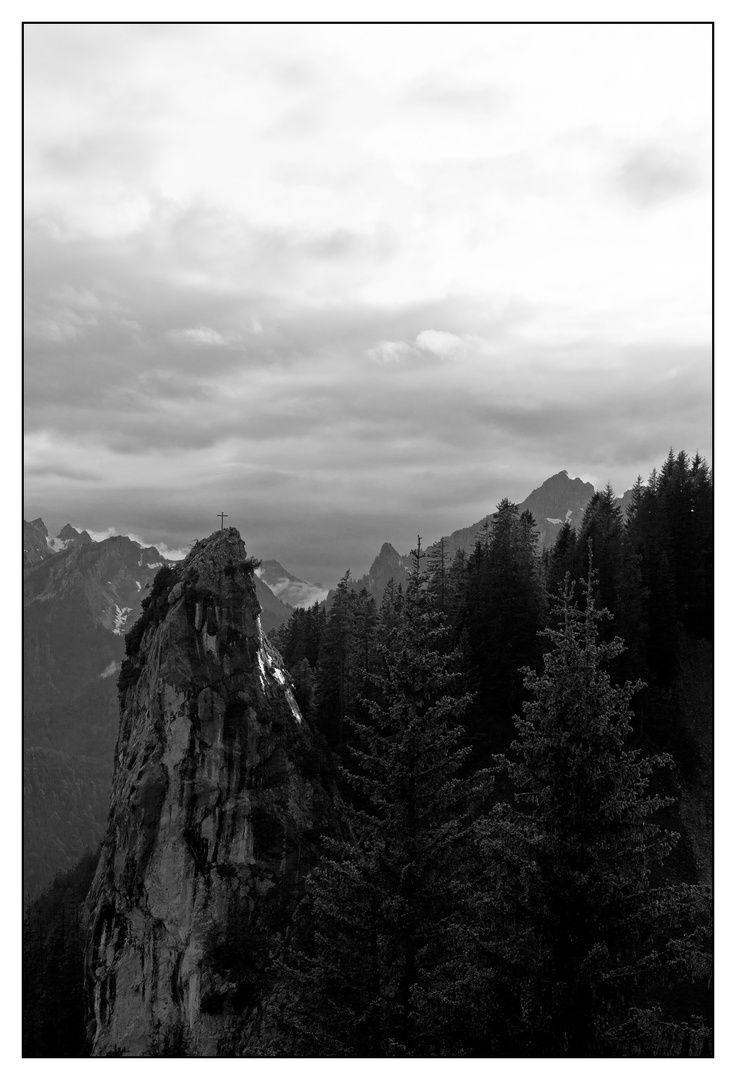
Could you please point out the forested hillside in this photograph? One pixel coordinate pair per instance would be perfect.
(518, 748)
(54, 930)
(525, 747)
(654, 570)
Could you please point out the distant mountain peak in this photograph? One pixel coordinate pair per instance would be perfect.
(288, 588)
(558, 500)
(388, 551)
(575, 483)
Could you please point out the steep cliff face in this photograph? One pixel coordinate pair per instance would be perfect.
(215, 801)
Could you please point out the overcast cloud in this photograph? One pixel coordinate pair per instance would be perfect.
(348, 284)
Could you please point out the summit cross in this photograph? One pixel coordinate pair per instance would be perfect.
(222, 520)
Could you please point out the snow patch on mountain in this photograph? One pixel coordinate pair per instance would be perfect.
(111, 668)
(268, 659)
(121, 617)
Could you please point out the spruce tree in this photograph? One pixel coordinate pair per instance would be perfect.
(53, 966)
(335, 683)
(669, 529)
(602, 530)
(384, 956)
(502, 615)
(365, 657)
(438, 574)
(563, 558)
(573, 854)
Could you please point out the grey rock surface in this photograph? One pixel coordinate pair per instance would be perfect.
(215, 801)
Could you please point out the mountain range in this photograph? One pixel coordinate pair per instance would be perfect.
(165, 735)
(81, 597)
(559, 499)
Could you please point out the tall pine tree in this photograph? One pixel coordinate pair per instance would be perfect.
(384, 955)
(575, 850)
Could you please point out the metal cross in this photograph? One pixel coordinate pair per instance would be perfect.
(222, 520)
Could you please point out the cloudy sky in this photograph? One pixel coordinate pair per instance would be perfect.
(351, 283)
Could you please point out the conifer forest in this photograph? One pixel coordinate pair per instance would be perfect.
(514, 857)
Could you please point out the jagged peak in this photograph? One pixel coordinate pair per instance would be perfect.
(215, 576)
(223, 545)
(563, 474)
(69, 533)
(562, 477)
(388, 551)
(222, 552)
(38, 523)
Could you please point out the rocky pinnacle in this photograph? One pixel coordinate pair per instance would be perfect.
(214, 801)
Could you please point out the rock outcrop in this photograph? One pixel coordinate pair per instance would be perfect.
(216, 799)
(81, 597)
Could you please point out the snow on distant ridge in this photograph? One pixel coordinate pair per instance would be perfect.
(169, 553)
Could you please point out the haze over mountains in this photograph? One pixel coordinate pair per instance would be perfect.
(289, 589)
(81, 597)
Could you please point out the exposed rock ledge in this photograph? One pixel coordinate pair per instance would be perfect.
(214, 805)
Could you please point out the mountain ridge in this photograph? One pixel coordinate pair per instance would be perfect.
(558, 499)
